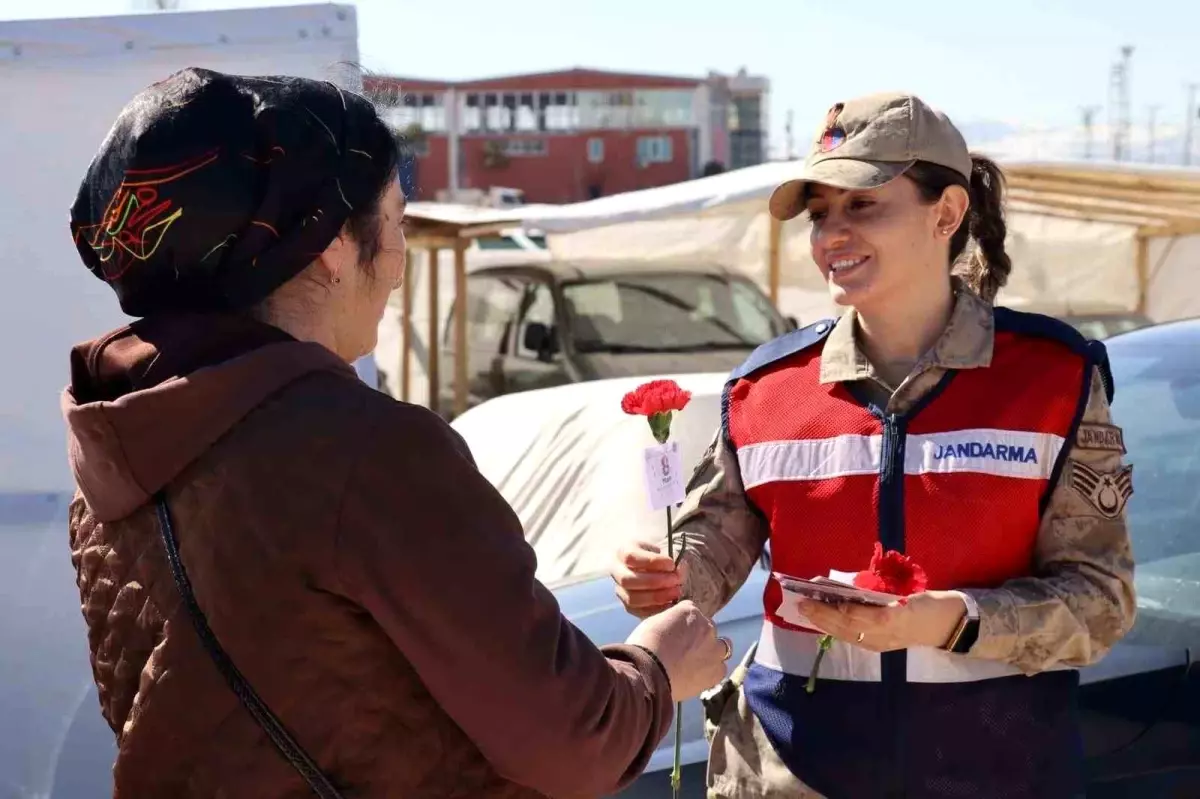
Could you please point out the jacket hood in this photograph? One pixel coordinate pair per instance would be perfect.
(148, 399)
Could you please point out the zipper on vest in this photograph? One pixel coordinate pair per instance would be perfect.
(893, 665)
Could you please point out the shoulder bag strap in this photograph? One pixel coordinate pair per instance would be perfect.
(287, 746)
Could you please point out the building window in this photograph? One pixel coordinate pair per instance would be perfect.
(595, 150)
(562, 113)
(425, 110)
(497, 116)
(472, 113)
(524, 148)
(605, 110)
(526, 114)
(664, 108)
(654, 150)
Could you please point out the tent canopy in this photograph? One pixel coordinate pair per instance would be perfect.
(1084, 237)
(1119, 193)
(1158, 201)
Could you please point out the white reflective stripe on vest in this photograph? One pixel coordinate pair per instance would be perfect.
(809, 459)
(1003, 453)
(793, 652)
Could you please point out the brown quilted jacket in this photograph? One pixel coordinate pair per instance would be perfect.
(370, 584)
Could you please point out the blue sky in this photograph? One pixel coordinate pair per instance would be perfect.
(1028, 62)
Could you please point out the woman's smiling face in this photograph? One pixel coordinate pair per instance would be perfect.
(876, 245)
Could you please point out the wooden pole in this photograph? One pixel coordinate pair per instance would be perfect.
(406, 298)
(774, 236)
(433, 349)
(1143, 270)
(460, 327)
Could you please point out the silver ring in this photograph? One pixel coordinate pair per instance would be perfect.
(860, 638)
(728, 648)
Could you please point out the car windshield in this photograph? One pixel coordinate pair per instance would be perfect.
(1157, 402)
(668, 313)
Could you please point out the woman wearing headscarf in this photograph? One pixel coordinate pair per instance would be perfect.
(292, 583)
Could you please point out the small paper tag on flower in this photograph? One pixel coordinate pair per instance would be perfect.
(664, 475)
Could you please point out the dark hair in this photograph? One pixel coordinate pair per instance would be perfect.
(988, 268)
(364, 223)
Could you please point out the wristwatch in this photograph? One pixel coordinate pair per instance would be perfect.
(967, 631)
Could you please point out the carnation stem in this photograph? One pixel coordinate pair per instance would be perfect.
(823, 645)
(676, 774)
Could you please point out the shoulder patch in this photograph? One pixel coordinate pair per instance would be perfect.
(1100, 436)
(1107, 492)
(779, 348)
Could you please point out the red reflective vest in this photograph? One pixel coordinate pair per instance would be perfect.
(959, 482)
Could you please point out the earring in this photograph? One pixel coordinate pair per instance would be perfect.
(337, 281)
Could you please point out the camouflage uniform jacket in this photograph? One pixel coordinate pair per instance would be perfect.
(1078, 603)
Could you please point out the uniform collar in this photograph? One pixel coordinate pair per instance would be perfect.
(966, 343)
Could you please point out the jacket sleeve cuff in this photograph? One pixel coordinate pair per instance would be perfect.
(999, 625)
(654, 677)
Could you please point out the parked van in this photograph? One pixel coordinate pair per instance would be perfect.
(547, 324)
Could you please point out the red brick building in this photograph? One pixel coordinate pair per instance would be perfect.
(556, 136)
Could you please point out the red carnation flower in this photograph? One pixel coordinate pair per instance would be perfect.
(657, 396)
(892, 573)
(656, 400)
(889, 573)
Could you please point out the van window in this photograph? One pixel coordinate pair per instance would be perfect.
(498, 243)
(539, 309)
(668, 312)
(492, 304)
(754, 312)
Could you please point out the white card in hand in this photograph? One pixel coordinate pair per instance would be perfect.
(664, 475)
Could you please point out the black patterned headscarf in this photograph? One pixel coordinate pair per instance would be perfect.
(213, 190)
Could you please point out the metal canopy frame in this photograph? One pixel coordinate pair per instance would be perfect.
(1155, 204)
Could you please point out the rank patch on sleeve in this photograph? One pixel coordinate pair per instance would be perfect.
(1107, 492)
(1100, 436)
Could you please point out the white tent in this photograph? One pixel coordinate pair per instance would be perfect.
(1084, 237)
(62, 83)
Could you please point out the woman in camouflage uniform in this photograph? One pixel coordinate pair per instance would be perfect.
(974, 438)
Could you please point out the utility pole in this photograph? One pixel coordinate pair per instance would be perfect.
(453, 132)
(1153, 112)
(1119, 97)
(788, 138)
(1190, 123)
(1089, 121)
